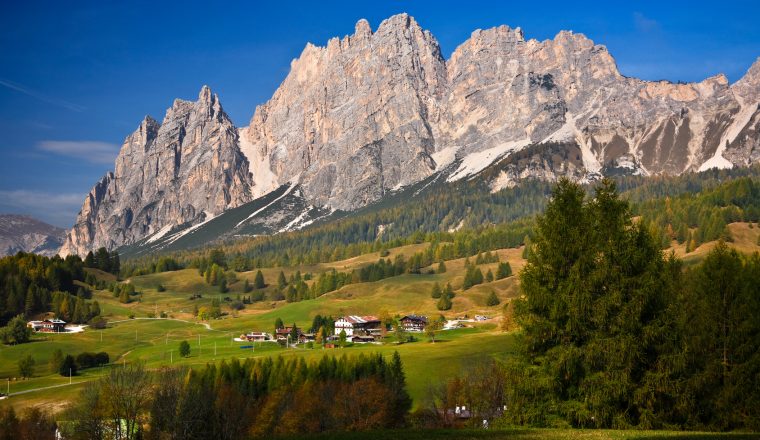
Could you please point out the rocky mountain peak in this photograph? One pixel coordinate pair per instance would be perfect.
(748, 87)
(362, 29)
(371, 112)
(184, 170)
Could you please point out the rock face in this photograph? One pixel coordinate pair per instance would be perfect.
(371, 111)
(357, 117)
(20, 233)
(374, 111)
(184, 170)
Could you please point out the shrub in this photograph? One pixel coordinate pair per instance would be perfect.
(68, 366)
(184, 349)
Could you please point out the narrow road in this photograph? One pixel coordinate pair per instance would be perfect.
(47, 388)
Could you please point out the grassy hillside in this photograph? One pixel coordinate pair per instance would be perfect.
(156, 341)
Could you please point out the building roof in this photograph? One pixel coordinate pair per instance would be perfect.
(51, 321)
(355, 319)
(415, 318)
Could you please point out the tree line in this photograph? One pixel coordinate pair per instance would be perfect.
(255, 398)
(28, 282)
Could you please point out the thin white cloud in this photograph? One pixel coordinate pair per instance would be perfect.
(645, 24)
(40, 96)
(91, 151)
(58, 209)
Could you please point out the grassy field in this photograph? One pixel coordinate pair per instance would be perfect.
(156, 341)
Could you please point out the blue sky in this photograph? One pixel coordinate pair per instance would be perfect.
(76, 79)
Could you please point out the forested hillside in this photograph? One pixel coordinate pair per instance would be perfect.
(469, 215)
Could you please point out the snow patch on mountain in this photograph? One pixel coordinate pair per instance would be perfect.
(474, 163)
(445, 157)
(255, 213)
(739, 122)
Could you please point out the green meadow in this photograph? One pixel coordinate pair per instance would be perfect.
(156, 341)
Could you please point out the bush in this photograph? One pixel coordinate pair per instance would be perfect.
(98, 323)
(26, 366)
(68, 366)
(237, 305)
(90, 360)
(102, 358)
(16, 332)
(85, 360)
(184, 349)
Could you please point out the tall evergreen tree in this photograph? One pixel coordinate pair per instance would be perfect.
(596, 287)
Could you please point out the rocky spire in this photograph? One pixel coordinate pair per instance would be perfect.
(183, 170)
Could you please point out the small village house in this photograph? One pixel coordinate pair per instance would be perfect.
(282, 335)
(414, 323)
(362, 339)
(256, 337)
(54, 325)
(357, 325)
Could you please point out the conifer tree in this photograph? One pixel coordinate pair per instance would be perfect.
(278, 324)
(444, 303)
(583, 287)
(258, 281)
(492, 299)
(503, 270)
(436, 291)
(441, 267)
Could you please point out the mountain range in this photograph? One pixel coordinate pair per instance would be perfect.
(20, 233)
(377, 112)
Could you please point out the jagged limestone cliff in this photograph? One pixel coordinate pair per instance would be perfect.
(186, 169)
(375, 111)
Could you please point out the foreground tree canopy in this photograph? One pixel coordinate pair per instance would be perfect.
(250, 399)
(609, 336)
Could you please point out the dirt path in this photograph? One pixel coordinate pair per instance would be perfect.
(47, 388)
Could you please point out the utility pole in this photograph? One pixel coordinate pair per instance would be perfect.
(171, 356)
(9, 388)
